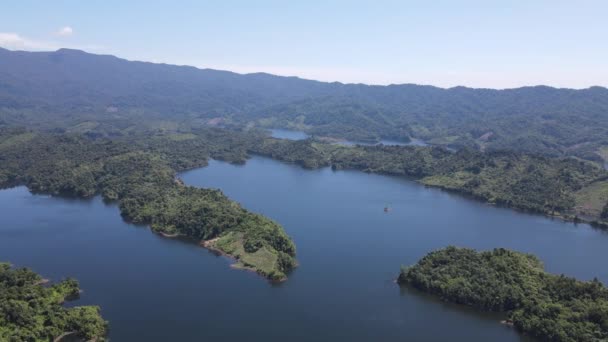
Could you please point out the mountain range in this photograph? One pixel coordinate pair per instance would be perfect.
(102, 95)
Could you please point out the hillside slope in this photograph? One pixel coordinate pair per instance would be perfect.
(105, 95)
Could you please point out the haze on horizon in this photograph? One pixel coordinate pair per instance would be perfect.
(448, 43)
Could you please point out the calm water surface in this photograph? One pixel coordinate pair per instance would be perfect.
(299, 135)
(288, 134)
(350, 251)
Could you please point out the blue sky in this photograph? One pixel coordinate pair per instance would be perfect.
(494, 44)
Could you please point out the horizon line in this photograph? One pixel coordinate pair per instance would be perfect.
(539, 85)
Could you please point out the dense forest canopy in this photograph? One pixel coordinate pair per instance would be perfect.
(75, 91)
(547, 306)
(30, 311)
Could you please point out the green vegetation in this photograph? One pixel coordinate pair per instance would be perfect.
(549, 307)
(590, 200)
(30, 311)
(102, 125)
(252, 257)
(553, 186)
(528, 135)
(104, 96)
(139, 174)
(603, 153)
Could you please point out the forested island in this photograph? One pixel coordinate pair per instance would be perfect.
(31, 310)
(543, 305)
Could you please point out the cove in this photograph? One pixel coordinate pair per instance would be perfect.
(157, 289)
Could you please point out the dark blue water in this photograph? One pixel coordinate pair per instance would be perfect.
(156, 289)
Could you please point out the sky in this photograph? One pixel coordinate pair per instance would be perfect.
(475, 43)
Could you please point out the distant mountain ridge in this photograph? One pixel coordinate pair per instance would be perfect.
(75, 90)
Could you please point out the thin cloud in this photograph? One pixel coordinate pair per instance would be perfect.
(65, 31)
(15, 41)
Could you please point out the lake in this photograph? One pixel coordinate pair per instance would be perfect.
(299, 135)
(350, 251)
(288, 134)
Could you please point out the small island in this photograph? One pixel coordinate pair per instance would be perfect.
(546, 306)
(31, 310)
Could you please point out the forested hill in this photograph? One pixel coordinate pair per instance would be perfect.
(72, 82)
(105, 95)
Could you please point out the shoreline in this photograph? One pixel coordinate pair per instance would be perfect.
(43, 281)
(569, 218)
(507, 322)
(65, 334)
(169, 236)
(236, 263)
(209, 245)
